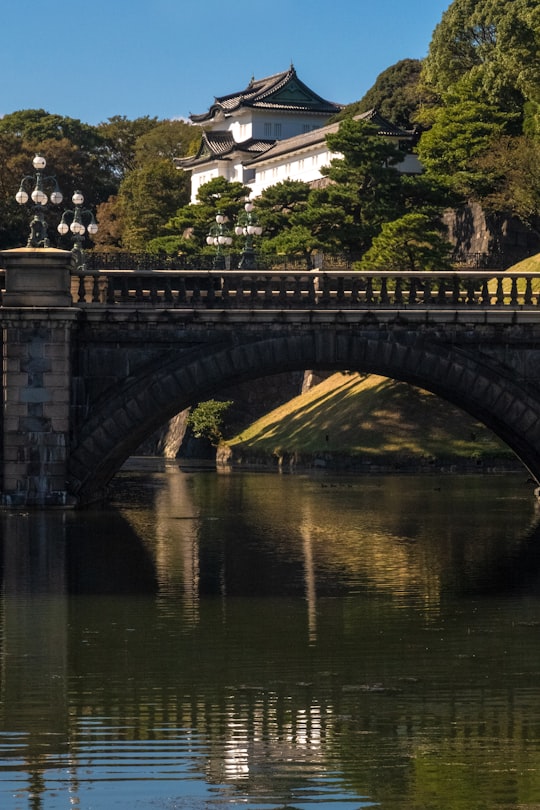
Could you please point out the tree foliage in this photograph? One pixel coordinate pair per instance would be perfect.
(463, 130)
(74, 154)
(278, 205)
(123, 168)
(513, 164)
(395, 94)
(412, 242)
(188, 228)
(483, 66)
(147, 197)
(207, 418)
(364, 188)
(494, 41)
(36, 126)
(120, 135)
(151, 189)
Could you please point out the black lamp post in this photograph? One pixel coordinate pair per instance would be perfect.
(247, 225)
(77, 227)
(218, 236)
(38, 226)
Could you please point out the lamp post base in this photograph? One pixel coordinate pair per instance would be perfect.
(247, 262)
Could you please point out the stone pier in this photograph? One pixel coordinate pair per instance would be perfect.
(37, 319)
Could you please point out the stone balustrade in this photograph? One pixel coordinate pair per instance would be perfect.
(279, 290)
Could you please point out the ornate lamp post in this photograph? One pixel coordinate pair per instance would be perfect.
(38, 225)
(77, 226)
(247, 225)
(218, 236)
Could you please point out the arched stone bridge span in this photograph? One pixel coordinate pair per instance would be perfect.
(143, 347)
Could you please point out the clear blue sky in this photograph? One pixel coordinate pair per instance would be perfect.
(169, 58)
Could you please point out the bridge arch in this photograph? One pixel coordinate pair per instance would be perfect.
(477, 383)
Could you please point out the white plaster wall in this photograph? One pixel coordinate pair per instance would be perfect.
(305, 166)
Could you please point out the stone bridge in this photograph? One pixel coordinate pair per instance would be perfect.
(95, 361)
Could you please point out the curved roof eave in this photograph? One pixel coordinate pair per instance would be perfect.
(258, 94)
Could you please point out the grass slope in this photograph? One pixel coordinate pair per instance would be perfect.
(529, 265)
(369, 416)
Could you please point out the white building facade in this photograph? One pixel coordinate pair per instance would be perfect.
(272, 131)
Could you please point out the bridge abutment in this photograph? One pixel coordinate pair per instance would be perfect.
(37, 320)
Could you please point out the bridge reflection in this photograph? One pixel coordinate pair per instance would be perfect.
(198, 674)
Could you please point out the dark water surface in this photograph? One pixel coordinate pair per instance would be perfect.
(263, 641)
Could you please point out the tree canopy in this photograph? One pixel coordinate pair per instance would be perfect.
(395, 94)
(497, 42)
(483, 70)
(412, 242)
(123, 168)
(475, 100)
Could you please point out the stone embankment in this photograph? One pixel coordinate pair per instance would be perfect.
(283, 461)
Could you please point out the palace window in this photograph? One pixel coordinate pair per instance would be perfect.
(267, 130)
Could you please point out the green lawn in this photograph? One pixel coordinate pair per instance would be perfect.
(370, 416)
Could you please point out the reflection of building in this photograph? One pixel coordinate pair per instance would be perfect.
(272, 131)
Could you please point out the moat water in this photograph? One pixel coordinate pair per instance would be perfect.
(272, 642)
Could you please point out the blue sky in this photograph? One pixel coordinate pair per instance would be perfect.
(169, 58)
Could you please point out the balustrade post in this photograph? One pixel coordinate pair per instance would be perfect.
(398, 295)
(384, 291)
(528, 292)
(369, 292)
(514, 293)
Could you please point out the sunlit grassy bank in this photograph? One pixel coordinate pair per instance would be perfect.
(370, 418)
(530, 265)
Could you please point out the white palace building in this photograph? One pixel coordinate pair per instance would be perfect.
(272, 131)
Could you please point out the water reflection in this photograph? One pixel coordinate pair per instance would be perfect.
(406, 536)
(271, 642)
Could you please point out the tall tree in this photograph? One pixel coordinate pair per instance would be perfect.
(279, 203)
(187, 229)
(364, 190)
(74, 153)
(35, 126)
(463, 129)
(147, 197)
(493, 42)
(484, 66)
(395, 94)
(120, 135)
(412, 242)
(150, 189)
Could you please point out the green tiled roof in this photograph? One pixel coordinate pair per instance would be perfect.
(382, 125)
(282, 91)
(219, 145)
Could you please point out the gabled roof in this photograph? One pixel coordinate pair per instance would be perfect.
(220, 145)
(299, 142)
(282, 91)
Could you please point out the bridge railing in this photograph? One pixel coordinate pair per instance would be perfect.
(97, 261)
(235, 289)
